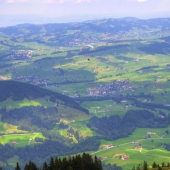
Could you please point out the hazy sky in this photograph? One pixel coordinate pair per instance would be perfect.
(44, 11)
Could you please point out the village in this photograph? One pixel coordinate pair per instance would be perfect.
(33, 79)
(21, 54)
(109, 89)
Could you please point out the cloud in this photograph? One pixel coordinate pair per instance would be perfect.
(74, 1)
(14, 1)
(79, 1)
(141, 0)
(10, 1)
(60, 1)
(48, 1)
(137, 0)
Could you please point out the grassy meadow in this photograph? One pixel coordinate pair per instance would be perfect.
(136, 62)
(20, 140)
(151, 148)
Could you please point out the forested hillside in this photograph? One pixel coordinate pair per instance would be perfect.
(76, 162)
(99, 86)
(114, 127)
(18, 91)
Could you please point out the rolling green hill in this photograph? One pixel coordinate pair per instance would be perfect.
(66, 100)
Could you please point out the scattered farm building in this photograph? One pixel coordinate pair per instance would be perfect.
(108, 146)
(138, 147)
(150, 132)
(13, 143)
(103, 157)
(125, 157)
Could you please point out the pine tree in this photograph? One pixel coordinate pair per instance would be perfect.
(97, 164)
(159, 168)
(133, 168)
(145, 165)
(138, 167)
(65, 164)
(154, 165)
(163, 164)
(45, 166)
(51, 165)
(17, 167)
(26, 167)
(70, 168)
(57, 164)
(168, 164)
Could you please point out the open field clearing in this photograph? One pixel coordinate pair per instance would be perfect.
(107, 108)
(125, 72)
(151, 148)
(20, 140)
(6, 128)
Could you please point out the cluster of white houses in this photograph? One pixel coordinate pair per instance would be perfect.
(108, 146)
(110, 88)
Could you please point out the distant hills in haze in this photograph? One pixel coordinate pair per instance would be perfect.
(90, 31)
(92, 86)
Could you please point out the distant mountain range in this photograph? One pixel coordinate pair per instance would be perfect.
(88, 30)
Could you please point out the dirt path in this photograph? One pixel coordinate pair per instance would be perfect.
(162, 136)
(157, 135)
(129, 143)
(17, 134)
(141, 150)
(32, 138)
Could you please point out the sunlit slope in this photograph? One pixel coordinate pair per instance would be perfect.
(53, 59)
(151, 148)
(6, 128)
(18, 96)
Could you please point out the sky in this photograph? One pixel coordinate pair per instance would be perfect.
(14, 12)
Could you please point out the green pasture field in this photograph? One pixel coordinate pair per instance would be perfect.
(70, 114)
(151, 148)
(105, 108)
(10, 104)
(17, 104)
(6, 128)
(78, 123)
(105, 66)
(135, 156)
(79, 88)
(64, 133)
(20, 139)
(138, 134)
(86, 70)
(80, 127)
(84, 130)
(108, 107)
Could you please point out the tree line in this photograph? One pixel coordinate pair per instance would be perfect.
(82, 162)
(28, 117)
(76, 162)
(156, 166)
(113, 127)
(18, 91)
(50, 147)
(166, 146)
